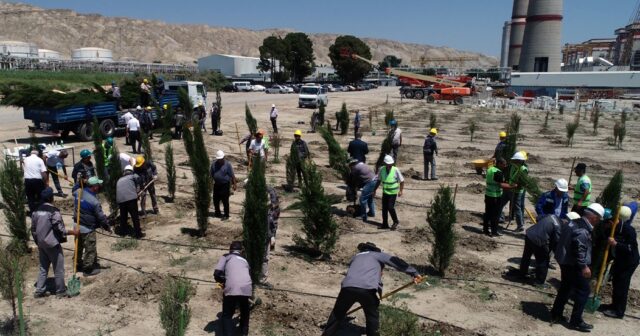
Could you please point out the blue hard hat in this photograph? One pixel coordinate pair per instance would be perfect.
(110, 141)
(393, 122)
(607, 214)
(85, 153)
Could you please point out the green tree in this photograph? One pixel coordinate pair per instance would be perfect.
(115, 172)
(252, 123)
(219, 103)
(98, 152)
(272, 51)
(472, 125)
(254, 219)
(343, 119)
(571, 131)
(199, 163)
(338, 157)
(171, 170)
(299, 57)
(390, 61)
(430, 72)
(13, 205)
(166, 121)
(291, 168)
(441, 218)
(12, 268)
(385, 148)
(175, 312)
(146, 145)
(433, 120)
(609, 198)
(350, 70)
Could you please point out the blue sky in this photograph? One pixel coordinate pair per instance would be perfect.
(474, 25)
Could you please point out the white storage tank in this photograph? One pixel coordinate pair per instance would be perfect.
(18, 49)
(49, 55)
(92, 55)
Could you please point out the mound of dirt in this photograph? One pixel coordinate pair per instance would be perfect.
(291, 312)
(417, 235)
(114, 287)
(476, 242)
(466, 267)
(445, 329)
(475, 188)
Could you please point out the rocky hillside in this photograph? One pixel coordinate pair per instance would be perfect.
(143, 40)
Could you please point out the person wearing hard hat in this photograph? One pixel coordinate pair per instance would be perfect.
(55, 165)
(258, 147)
(148, 174)
(91, 218)
(83, 169)
(392, 185)
(201, 113)
(127, 189)
(145, 92)
(430, 151)
(301, 148)
(146, 122)
(273, 116)
(396, 138)
(178, 122)
(582, 190)
(498, 152)
(624, 249)
(554, 202)
(215, 118)
(573, 254)
(515, 196)
(116, 95)
(493, 197)
(223, 180)
(540, 239)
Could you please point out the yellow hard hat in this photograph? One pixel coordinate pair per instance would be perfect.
(139, 161)
(145, 80)
(165, 106)
(503, 134)
(148, 108)
(297, 132)
(434, 131)
(199, 103)
(526, 156)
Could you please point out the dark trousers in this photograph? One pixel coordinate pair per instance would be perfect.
(299, 172)
(492, 207)
(621, 276)
(578, 209)
(394, 152)
(214, 125)
(177, 132)
(571, 279)
(55, 178)
(366, 298)
(229, 304)
(151, 190)
(33, 188)
(274, 124)
(130, 208)
(148, 131)
(134, 136)
(356, 129)
(389, 207)
(429, 159)
(221, 193)
(87, 252)
(542, 260)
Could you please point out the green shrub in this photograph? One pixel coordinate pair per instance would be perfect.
(124, 244)
(171, 170)
(13, 205)
(343, 119)
(441, 218)
(338, 157)
(12, 269)
(321, 113)
(175, 312)
(115, 172)
(571, 131)
(398, 321)
(254, 219)
(98, 152)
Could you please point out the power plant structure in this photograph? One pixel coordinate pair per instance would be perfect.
(92, 54)
(518, 22)
(504, 50)
(541, 42)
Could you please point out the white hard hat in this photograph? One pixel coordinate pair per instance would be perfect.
(625, 213)
(388, 159)
(138, 107)
(273, 105)
(597, 209)
(518, 156)
(128, 167)
(219, 155)
(573, 215)
(562, 185)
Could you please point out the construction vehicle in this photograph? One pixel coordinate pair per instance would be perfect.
(433, 88)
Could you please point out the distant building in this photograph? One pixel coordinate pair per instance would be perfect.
(589, 55)
(233, 66)
(600, 84)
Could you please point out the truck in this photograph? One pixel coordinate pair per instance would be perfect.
(312, 95)
(79, 118)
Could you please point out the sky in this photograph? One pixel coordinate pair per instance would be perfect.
(473, 25)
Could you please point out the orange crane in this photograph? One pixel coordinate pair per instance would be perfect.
(432, 88)
(423, 60)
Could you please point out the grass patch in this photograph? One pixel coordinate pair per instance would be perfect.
(179, 214)
(124, 244)
(180, 261)
(484, 293)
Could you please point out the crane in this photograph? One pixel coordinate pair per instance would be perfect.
(423, 60)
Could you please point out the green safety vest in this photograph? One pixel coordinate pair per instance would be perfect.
(493, 188)
(512, 176)
(577, 195)
(390, 185)
(107, 153)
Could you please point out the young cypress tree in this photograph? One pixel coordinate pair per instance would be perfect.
(338, 157)
(166, 120)
(472, 125)
(199, 162)
(388, 116)
(171, 170)
(13, 205)
(441, 218)
(146, 146)
(433, 120)
(252, 123)
(609, 198)
(320, 230)
(385, 148)
(254, 220)
(219, 103)
(98, 152)
(571, 131)
(321, 112)
(596, 118)
(115, 173)
(343, 119)
(175, 312)
(185, 103)
(12, 269)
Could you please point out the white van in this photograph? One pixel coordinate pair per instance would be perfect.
(312, 95)
(242, 86)
(196, 90)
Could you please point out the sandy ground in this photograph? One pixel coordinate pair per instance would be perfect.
(478, 299)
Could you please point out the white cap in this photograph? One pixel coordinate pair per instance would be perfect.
(573, 215)
(128, 167)
(388, 159)
(562, 185)
(219, 155)
(597, 209)
(518, 156)
(273, 105)
(625, 213)
(138, 107)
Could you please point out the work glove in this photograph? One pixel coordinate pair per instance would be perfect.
(417, 279)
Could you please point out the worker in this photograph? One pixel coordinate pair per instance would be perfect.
(430, 151)
(573, 254)
(48, 232)
(127, 189)
(55, 164)
(91, 218)
(493, 197)
(83, 170)
(358, 149)
(145, 93)
(302, 150)
(178, 121)
(116, 95)
(223, 180)
(158, 88)
(126, 117)
(273, 215)
(107, 149)
(202, 116)
(396, 138)
(232, 273)
(215, 117)
(356, 123)
(361, 284)
(246, 140)
(148, 175)
(515, 196)
(392, 185)
(582, 190)
(361, 176)
(36, 178)
(126, 160)
(499, 151)
(624, 248)
(554, 202)
(146, 122)
(540, 239)
(259, 147)
(273, 116)
(133, 129)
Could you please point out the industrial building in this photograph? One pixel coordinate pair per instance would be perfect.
(233, 66)
(601, 84)
(18, 49)
(92, 54)
(46, 55)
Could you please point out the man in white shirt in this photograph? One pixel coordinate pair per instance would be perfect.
(396, 142)
(259, 147)
(126, 160)
(55, 164)
(133, 129)
(126, 117)
(273, 115)
(35, 178)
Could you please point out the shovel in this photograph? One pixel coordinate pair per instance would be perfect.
(64, 177)
(594, 302)
(73, 285)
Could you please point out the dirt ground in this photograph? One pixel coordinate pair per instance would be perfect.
(476, 298)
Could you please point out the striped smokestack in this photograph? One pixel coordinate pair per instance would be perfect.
(504, 51)
(541, 43)
(518, 21)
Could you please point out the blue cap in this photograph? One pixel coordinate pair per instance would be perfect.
(607, 214)
(393, 122)
(46, 194)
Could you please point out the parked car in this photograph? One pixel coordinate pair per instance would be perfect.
(257, 87)
(339, 88)
(242, 86)
(228, 88)
(276, 89)
(312, 95)
(350, 88)
(288, 89)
